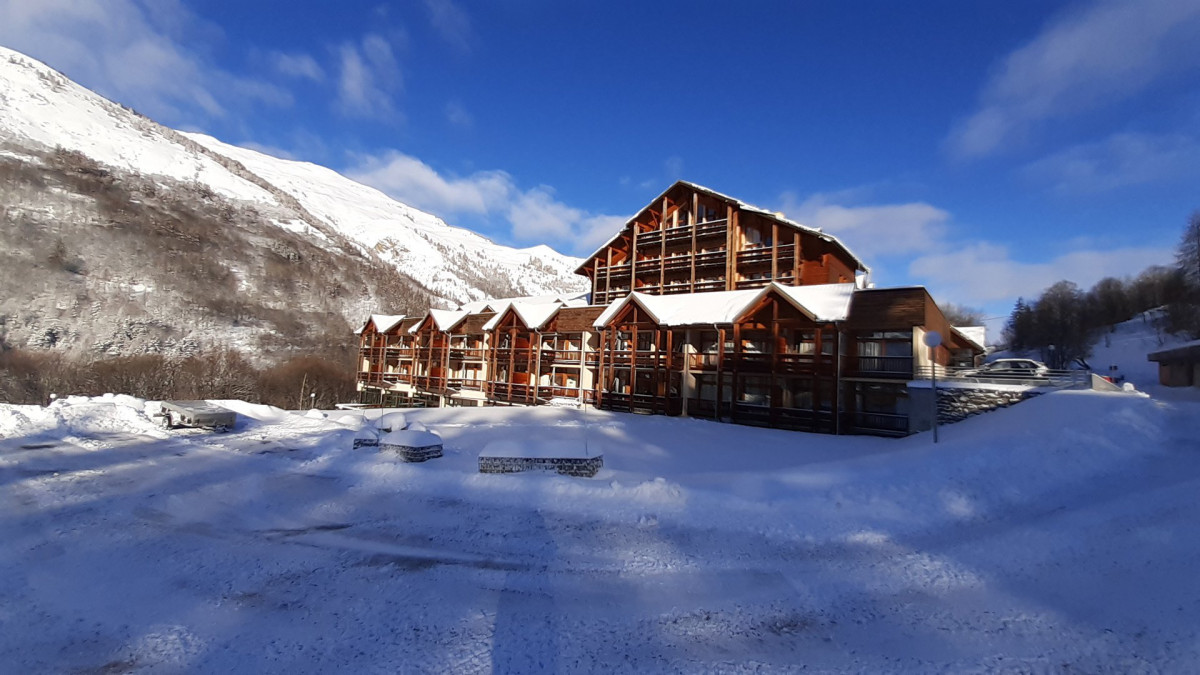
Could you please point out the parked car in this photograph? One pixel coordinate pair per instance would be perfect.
(1013, 368)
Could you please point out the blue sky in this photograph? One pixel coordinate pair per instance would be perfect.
(984, 149)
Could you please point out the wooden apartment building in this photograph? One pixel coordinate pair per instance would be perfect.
(702, 306)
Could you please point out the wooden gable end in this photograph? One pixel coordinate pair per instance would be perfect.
(887, 309)
(510, 319)
(473, 324)
(426, 325)
(633, 314)
(574, 319)
(770, 308)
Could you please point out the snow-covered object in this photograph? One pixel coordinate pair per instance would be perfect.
(570, 457)
(706, 547)
(314, 414)
(367, 437)
(421, 244)
(41, 107)
(412, 446)
(393, 421)
(976, 334)
(822, 302)
(533, 314)
(417, 426)
(383, 322)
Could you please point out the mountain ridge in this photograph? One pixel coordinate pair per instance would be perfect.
(220, 245)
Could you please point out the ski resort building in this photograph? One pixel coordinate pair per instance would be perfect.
(701, 306)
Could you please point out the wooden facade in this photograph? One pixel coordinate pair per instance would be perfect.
(693, 240)
(802, 343)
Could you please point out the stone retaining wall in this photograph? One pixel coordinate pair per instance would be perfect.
(956, 405)
(409, 454)
(584, 467)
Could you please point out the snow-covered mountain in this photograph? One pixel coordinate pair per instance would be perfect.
(99, 192)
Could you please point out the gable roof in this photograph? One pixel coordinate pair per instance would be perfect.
(533, 314)
(443, 319)
(815, 231)
(823, 302)
(976, 335)
(383, 322)
(579, 299)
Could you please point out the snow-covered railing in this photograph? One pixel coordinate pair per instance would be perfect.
(1061, 379)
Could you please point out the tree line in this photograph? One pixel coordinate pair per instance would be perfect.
(1065, 321)
(30, 377)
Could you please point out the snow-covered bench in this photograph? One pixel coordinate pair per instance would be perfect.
(571, 459)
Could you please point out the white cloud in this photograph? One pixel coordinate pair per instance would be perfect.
(1104, 53)
(417, 184)
(451, 22)
(297, 65)
(133, 52)
(984, 272)
(1120, 160)
(917, 242)
(368, 78)
(533, 215)
(458, 116)
(874, 230)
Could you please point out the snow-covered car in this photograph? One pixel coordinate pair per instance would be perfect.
(1014, 368)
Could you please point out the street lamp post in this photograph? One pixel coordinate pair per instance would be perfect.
(312, 400)
(932, 340)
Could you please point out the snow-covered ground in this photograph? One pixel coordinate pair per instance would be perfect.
(1056, 535)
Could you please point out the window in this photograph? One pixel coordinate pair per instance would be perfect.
(645, 341)
(756, 390)
(885, 351)
(797, 393)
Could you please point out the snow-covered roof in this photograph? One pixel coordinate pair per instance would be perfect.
(383, 322)
(579, 299)
(443, 319)
(976, 335)
(533, 314)
(411, 439)
(816, 231)
(824, 302)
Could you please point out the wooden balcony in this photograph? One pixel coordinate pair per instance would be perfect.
(641, 403)
(518, 393)
(566, 357)
(752, 283)
(465, 384)
(711, 228)
(710, 258)
(899, 367)
(886, 424)
(457, 354)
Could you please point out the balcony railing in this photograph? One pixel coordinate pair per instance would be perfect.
(884, 366)
(465, 383)
(876, 422)
(711, 227)
(567, 356)
(752, 283)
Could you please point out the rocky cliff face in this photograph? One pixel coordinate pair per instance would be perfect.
(121, 236)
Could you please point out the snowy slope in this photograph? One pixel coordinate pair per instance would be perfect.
(421, 244)
(1053, 536)
(41, 105)
(42, 109)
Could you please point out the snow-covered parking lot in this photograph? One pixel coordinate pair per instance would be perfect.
(1059, 535)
